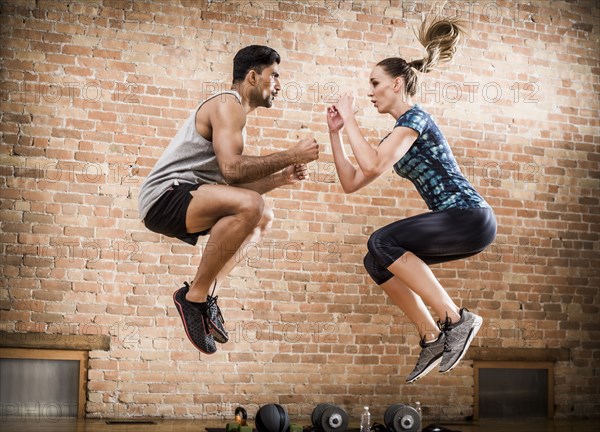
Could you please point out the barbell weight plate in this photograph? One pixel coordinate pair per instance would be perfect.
(388, 416)
(317, 413)
(403, 418)
(334, 419)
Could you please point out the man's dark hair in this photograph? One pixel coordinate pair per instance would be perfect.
(253, 57)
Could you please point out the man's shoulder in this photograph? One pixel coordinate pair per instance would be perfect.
(225, 106)
(223, 100)
(222, 110)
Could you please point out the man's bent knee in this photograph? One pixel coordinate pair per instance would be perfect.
(252, 208)
(267, 219)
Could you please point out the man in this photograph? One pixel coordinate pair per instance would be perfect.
(203, 184)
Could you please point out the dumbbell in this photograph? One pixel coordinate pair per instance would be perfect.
(402, 418)
(241, 417)
(329, 418)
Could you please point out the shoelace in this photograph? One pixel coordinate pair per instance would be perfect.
(446, 324)
(443, 327)
(212, 300)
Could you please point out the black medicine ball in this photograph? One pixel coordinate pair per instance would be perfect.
(272, 418)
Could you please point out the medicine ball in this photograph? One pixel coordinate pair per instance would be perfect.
(272, 418)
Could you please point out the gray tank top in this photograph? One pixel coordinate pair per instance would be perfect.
(189, 158)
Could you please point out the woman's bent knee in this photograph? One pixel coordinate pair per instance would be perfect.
(377, 272)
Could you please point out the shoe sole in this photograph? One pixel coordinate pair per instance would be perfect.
(218, 337)
(428, 369)
(216, 333)
(474, 330)
(180, 311)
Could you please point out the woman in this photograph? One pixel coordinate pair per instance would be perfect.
(460, 222)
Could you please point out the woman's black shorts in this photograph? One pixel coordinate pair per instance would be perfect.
(435, 237)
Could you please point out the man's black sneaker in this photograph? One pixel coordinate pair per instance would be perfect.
(195, 321)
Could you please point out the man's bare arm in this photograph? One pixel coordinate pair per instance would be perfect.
(289, 176)
(266, 184)
(228, 120)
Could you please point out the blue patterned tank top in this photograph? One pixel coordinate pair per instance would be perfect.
(430, 165)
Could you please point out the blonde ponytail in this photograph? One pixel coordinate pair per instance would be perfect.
(440, 38)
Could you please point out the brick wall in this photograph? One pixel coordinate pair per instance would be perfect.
(92, 92)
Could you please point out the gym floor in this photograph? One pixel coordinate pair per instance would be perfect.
(100, 425)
